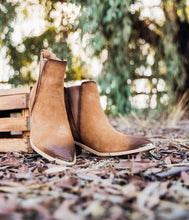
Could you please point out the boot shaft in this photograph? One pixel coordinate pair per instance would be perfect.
(50, 80)
(53, 73)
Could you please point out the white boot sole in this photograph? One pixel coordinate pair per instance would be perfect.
(146, 147)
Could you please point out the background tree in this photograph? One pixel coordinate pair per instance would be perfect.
(138, 46)
(23, 56)
(131, 39)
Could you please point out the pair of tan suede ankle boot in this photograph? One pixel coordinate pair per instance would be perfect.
(64, 118)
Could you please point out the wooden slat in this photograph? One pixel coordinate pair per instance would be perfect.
(14, 124)
(10, 144)
(10, 102)
(26, 114)
(14, 91)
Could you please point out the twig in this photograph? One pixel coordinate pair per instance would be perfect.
(172, 172)
(176, 164)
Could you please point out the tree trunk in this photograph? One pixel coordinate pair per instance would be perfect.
(183, 38)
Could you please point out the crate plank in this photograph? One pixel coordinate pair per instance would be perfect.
(10, 102)
(14, 118)
(14, 91)
(10, 144)
(14, 124)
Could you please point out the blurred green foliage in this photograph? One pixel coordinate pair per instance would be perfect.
(118, 27)
(53, 38)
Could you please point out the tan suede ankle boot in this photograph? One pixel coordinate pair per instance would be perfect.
(51, 135)
(90, 127)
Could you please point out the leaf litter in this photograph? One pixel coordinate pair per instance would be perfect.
(147, 185)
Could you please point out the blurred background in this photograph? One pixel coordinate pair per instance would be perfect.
(137, 50)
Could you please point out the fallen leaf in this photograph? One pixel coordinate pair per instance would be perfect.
(41, 210)
(135, 166)
(56, 169)
(171, 172)
(67, 182)
(63, 212)
(116, 212)
(95, 209)
(12, 163)
(185, 177)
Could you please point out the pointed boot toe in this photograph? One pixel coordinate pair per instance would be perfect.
(137, 144)
(64, 153)
(51, 135)
(59, 154)
(90, 127)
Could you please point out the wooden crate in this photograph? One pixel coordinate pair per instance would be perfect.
(14, 119)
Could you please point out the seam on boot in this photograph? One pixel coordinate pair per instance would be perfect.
(79, 113)
(71, 119)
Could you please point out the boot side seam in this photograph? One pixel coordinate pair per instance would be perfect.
(80, 105)
(69, 107)
(79, 113)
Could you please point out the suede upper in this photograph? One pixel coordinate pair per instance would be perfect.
(50, 130)
(92, 125)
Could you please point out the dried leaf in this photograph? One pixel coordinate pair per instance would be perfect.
(64, 212)
(56, 169)
(67, 182)
(172, 172)
(135, 166)
(185, 177)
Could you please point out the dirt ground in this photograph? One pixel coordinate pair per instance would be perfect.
(148, 185)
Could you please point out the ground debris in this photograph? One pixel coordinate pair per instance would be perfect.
(148, 185)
